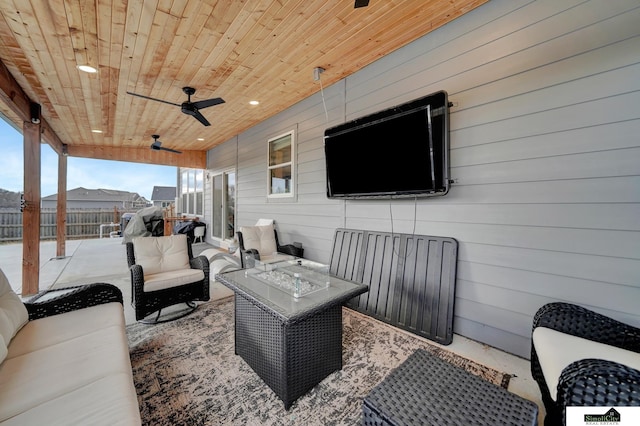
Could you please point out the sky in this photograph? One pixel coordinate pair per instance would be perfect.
(81, 172)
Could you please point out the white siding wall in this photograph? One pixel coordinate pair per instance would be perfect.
(545, 155)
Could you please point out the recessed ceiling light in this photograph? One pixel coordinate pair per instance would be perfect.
(96, 131)
(87, 68)
(200, 139)
(254, 102)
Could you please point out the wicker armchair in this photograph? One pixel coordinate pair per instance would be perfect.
(589, 380)
(165, 273)
(262, 243)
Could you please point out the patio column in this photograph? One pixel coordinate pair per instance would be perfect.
(31, 211)
(61, 206)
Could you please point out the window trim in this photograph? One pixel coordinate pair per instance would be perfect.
(192, 191)
(291, 163)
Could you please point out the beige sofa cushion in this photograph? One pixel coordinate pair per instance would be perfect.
(13, 313)
(161, 254)
(557, 350)
(172, 279)
(261, 238)
(3, 349)
(58, 329)
(68, 368)
(100, 403)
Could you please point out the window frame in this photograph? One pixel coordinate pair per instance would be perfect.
(192, 191)
(291, 164)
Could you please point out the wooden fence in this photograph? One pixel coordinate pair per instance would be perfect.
(81, 224)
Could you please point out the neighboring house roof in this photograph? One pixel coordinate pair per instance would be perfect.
(163, 193)
(84, 194)
(9, 199)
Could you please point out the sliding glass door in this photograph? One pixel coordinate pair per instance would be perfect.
(223, 187)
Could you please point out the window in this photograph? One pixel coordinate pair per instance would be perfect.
(192, 192)
(184, 191)
(281, 166)
(199, 195)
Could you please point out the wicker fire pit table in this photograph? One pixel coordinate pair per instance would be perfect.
(291, 339)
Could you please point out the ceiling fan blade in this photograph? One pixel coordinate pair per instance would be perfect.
(152, 99)
(188, 107)
(170, 150)
(208, 102)
(200, 117)
(157, 146)
(361, 3)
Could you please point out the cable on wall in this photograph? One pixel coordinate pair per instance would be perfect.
(316, 76)
(413, 232)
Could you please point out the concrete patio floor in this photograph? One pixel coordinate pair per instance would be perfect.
(104, 260)
(85, 262)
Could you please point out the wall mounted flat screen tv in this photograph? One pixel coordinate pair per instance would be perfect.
(399, 152)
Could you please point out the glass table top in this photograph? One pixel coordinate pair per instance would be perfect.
(297, 277)
(275, 287)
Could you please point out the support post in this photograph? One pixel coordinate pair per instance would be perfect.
(31, 213)
(61, 207)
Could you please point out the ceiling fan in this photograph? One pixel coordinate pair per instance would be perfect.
(188, 107)
(156, 145)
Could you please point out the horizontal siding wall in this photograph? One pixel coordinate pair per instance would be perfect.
(544, 154)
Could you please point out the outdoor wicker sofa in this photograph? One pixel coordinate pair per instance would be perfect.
(583, 358)
(64, 358)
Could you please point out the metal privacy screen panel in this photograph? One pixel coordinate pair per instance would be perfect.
(411, 278)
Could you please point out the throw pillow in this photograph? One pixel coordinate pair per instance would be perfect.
(13, 313)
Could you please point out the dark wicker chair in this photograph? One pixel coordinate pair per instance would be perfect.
(245, 248)
(587, 382)
(146, 302)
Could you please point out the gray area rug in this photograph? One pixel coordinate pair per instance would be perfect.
(186, 372)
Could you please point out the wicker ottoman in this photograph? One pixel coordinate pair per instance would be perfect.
(425, 390)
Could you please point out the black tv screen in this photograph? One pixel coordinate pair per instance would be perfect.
(399, 152)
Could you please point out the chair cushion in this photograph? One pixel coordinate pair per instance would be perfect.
(557, 350)
(169, 279)
(161, 254)
(13, 313)
(261, 238)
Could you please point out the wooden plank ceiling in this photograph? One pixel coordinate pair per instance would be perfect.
(262, 50)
